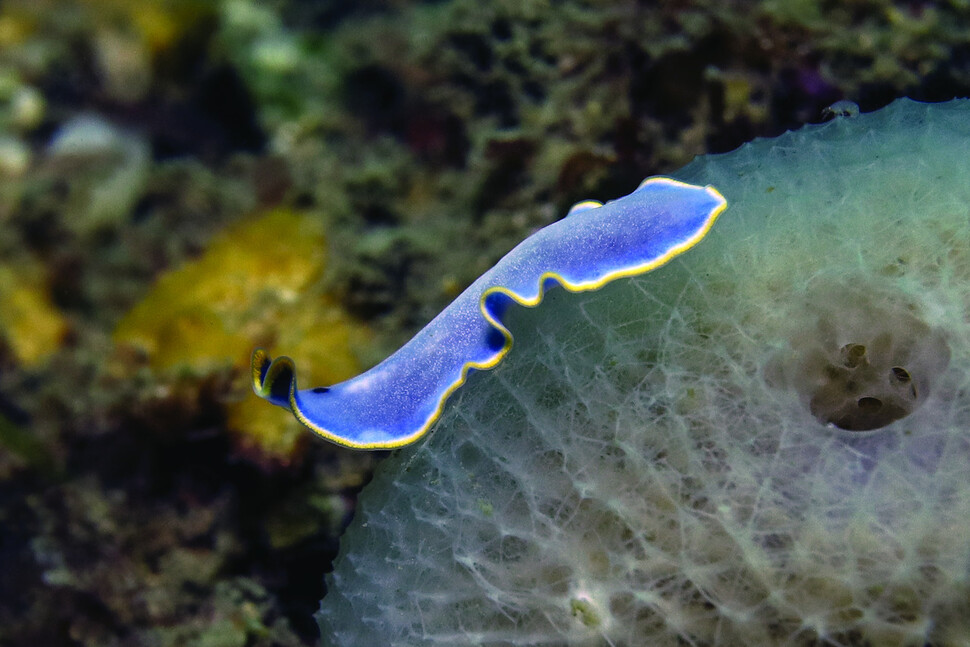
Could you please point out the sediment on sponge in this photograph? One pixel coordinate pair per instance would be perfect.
(763, 442)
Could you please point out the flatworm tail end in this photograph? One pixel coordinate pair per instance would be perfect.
(496, 300)
(273, 379)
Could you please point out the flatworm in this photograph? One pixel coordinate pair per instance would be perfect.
(396, 402)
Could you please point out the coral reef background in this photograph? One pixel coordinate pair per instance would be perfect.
(182, 180)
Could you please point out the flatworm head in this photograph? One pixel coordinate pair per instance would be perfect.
(397, 401)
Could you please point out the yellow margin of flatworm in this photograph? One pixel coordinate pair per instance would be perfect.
(579, 287)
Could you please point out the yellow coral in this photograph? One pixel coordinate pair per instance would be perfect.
(215, 308)
(158, 25)
(15, 28)
(31, 325)
(251, 287)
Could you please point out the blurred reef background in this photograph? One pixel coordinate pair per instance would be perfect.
(181, 181)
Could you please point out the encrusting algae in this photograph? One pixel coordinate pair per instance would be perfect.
(254, 286)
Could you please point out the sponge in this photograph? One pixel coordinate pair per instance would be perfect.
(764, 442)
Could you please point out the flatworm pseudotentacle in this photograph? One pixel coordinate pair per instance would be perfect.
(396, 402)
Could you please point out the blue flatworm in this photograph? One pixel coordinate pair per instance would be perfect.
(397, 401)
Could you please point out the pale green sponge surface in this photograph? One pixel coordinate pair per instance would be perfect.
(766, 441)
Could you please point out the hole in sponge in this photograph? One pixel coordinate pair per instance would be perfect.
(856, 395)
(853, 355)
(869, 405)
(867, 359)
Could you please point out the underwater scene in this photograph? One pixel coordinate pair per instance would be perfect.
(737, 406)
